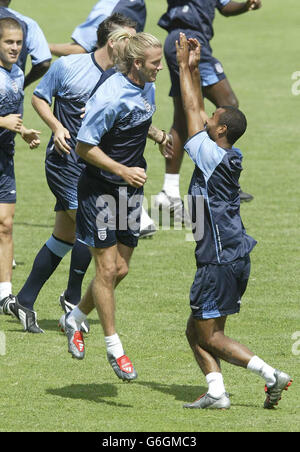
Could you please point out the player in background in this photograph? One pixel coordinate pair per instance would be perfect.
(11, 110)
(112, 140)
(195, 19)
(69, 81)
(84, 40)
(222, 252)
(35, 45)
(85, 35)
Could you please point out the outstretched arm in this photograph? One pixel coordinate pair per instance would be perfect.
(190, 87)
(235, 8)
(66, 49)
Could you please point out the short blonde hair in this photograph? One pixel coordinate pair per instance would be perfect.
(135, 49)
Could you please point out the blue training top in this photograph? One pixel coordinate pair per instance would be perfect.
(117, 119)
(11, 102)
(194, 14)
(35, 43)
(70, 80)
(86, 33)
(216, 179)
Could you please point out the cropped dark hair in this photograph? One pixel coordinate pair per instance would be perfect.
(236, 123)
(9, 22)
(110, 24)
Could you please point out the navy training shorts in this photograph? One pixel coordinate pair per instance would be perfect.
(62, 178)
(8, 193)
(217, 289)
(107, 213)
(211, 69)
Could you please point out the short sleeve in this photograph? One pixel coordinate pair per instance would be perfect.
(86, 33)
(204, 152)
(51, 83)
(222, 3)
(36, 43)
(100, 115)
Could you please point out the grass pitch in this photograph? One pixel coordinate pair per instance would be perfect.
(43, 389)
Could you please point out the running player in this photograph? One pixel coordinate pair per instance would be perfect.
(11, 109)
(195, 19)
(35, 44)
(222, 252)
(70, 81)
(84, 40)
(112, 140)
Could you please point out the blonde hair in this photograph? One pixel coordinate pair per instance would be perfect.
(119, 37)
(135, 49)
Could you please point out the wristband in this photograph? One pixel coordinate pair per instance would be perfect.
(163, 138)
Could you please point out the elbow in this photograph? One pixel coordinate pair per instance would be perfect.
(44, 66)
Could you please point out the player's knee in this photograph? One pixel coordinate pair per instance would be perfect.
(107, 274)
(210, 343)
(122, 271)
(6, 227)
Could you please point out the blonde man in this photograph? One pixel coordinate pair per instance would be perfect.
(69, 81)
(111, 141)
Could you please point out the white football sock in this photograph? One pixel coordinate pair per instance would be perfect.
(5, 289)
(259, 367)
(215, 384)
(114, 345)
(171, 185)
(76, 317)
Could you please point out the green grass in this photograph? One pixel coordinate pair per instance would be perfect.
(43, 389)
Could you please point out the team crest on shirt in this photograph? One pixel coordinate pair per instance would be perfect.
(219, 68)
(102, 234)
(14, 86)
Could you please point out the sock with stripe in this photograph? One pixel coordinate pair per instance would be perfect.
(45, 263)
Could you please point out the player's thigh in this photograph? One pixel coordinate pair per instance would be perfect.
(105, 262)
(65, 225)
(221, 94)
(207, 328)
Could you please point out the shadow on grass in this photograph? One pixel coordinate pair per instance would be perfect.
(45, 324)
(91, 392)
(32, 225)
(52, 324)
(183, 393)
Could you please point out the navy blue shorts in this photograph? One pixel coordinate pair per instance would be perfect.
(62, 178)
(217, 289)
(107, 213)
(211, 69)
(8, 194)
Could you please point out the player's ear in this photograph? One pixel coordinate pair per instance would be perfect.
(222, 129)
(138, 63)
